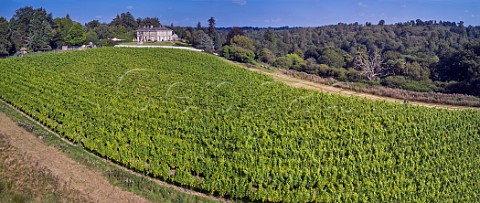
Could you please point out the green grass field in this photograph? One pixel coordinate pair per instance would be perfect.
(194, 120)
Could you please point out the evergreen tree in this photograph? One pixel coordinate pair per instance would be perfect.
(199, 26)
(41, 31)
(92, 25)
(5, 44)
(218, 42)
(125, 20)
(129, 21)
(155, 22)
(211, 28)
(207, 43)
(41, 36)
(381, 22)
(20, 28)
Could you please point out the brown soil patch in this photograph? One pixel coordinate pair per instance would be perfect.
(88, 186)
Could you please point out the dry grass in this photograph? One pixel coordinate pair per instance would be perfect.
(425, 97)
(23, 180)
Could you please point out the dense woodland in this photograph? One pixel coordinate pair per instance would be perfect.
(416, 55)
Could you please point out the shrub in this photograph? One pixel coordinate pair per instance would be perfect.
(354, 75)
(283, 62)
(457, 87)
(402, 82)
(394, 81)
(239, 54)
(20, 198)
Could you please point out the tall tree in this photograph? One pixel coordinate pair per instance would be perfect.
(211, 28)
(129, 21)
(147, 22)
(76, 35)
(20, 27)
(63, 26)
(206, 43)
(197, 37)
(381, 22)
(371, 65)
(125, 20)
(199, 26)
(92, 25)
(234, 32)
(40, 38)
(103, 31)
(117, 21)
(41, 31)
(218, 42)
(462, 65)
(31, 28)
(269, 36)
(91, 36)
(5, 44)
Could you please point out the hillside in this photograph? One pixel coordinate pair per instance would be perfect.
(198, 121)
(423, 56)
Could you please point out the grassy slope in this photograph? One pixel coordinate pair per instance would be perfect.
(211, 122)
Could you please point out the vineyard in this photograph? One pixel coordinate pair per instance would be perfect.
(194, 120)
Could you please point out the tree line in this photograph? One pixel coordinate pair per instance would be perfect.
(418, 55)
(438, 56)
(36, 30)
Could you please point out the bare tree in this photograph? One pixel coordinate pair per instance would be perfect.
(371, 65)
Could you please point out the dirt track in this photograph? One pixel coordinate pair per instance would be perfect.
(299, 83)
(88, 184)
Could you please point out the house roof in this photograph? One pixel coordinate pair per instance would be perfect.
(153, 29)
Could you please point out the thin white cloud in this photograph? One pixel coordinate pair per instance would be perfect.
(239, 2)
(130, 7)
(361, 4)
(276, 20)
(404, 6)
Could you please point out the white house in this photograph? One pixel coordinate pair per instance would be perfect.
(151, 34)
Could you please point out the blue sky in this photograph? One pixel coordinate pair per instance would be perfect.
(261, 13)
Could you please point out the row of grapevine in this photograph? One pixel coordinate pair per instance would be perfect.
(198, 121)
